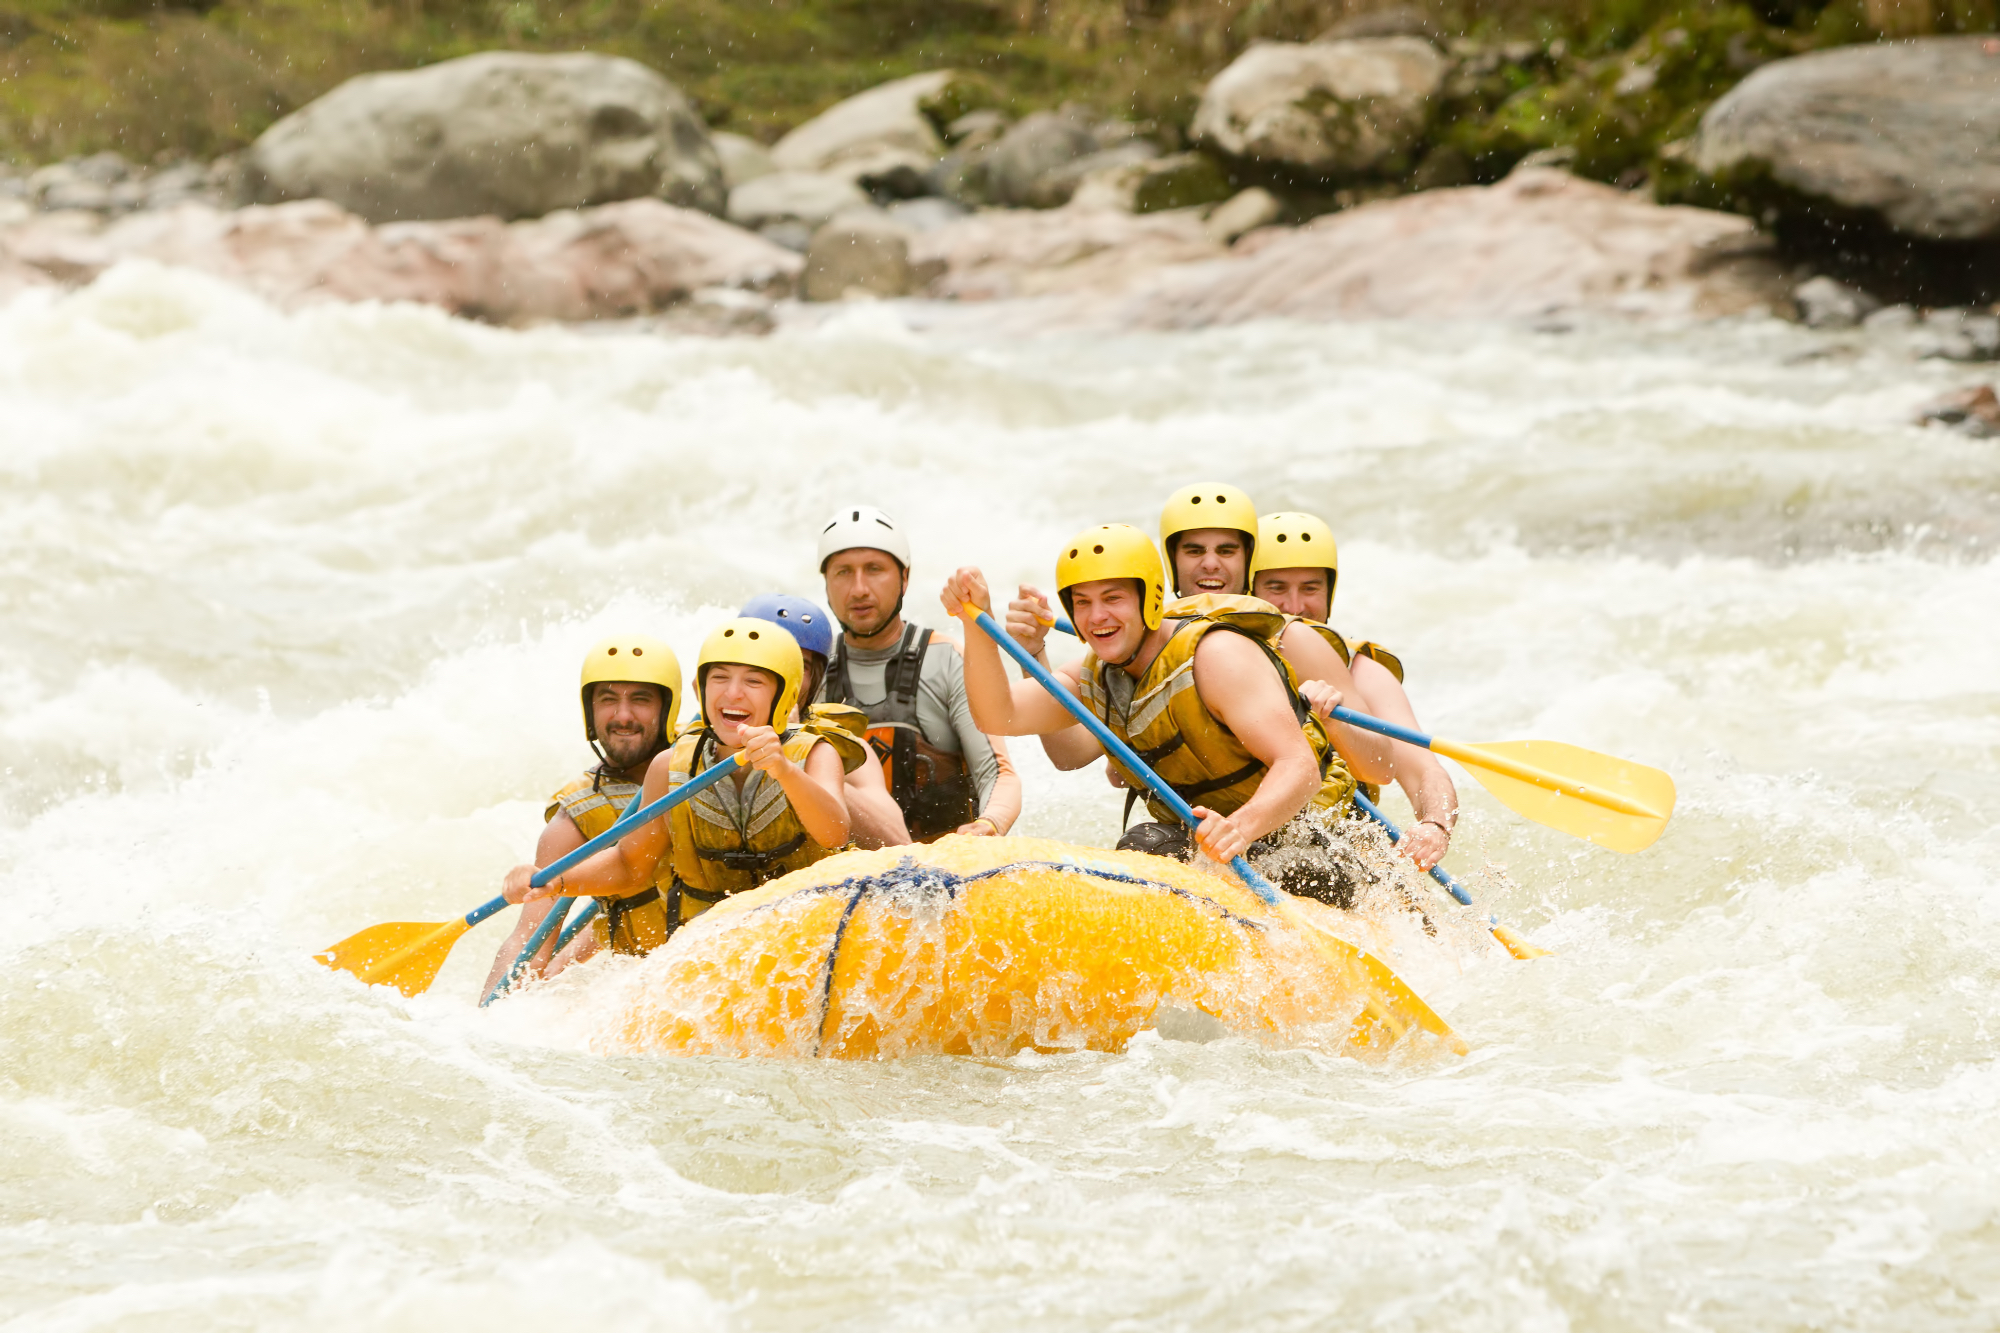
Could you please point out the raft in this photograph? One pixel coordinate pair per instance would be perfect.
(992, 946)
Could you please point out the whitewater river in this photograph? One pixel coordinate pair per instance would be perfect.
(293, 610)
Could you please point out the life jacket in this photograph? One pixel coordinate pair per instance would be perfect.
(842, 727)
(933, 787)
(1161, 715)
(728, 839)
(637, 924)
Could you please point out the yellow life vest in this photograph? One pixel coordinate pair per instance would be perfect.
(842, 727)
(1389, 660)
(637, 924)
(1162, 717)
(730, 838)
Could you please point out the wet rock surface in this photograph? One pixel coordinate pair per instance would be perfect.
(1884, 160)
(1537, 243)
(508, 134)
(618, 260)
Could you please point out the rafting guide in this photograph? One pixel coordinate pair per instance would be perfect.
(946, 775)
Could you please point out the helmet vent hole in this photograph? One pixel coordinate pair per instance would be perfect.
(753, 633)
(611, 652)
(1303, 536)
(1281, 536)
(1072, 553)
(1195, 501)
(729, 634)
(1097, 550)
(1222, 499)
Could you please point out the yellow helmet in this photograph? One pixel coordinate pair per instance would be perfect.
(1295, 541)
(1113, 551)
(1208, 504)
(749, 641)
(636, 658)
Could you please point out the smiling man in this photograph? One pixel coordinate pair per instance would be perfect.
(631, 687)
(1207, 701)
(945, 775)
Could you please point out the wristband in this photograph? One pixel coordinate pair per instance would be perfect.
(1438, 826)
(989, 821)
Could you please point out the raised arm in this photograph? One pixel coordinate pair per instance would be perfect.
(1237, 684)
(1000, 707)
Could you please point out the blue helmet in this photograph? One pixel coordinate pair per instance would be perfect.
(812, 627)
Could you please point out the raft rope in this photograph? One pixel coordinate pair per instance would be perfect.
(907, 875)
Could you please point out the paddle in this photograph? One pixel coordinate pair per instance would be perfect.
(408, 954)
(1612, 802)
(1515, 943)
(1383, 993)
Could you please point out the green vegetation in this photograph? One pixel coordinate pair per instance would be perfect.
(1614, 80)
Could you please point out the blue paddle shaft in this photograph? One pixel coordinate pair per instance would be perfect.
(484, 910)
(1062, 624)
(645, 814)
(1457, 890)
(1376, 724)
(575, 928)
(1117, 749)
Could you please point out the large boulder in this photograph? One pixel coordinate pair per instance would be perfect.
(503, 133)
(1541, 242)
(1905, 135)
(628, 258)
(1323, 111)
(880, 135)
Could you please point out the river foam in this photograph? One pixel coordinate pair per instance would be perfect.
(294, 609)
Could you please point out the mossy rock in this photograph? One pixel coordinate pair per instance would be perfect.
(1186, 180)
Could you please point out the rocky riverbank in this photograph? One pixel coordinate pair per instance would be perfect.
(1322, 180)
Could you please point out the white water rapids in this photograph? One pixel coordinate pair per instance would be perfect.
(294, 605)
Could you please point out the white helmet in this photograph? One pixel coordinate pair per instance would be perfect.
(862, 525)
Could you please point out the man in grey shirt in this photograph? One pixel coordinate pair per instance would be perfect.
(945, 775)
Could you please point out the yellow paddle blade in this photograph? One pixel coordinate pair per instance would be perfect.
(403, 954)
(1387, 1000)
(1518, 944)
(1612, 802)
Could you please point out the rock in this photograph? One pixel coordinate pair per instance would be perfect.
(1974, 412)
(1244, 212)
(871, 134)
(509, 134)
(1960, 335)
(743, 158)
(621, 259)
(1903, 134)
(862, 253)
(1826, 304)
(976, 129)
(1536, 243)
(1053, 189)
(916, 215)
(791, 233)
(1038, 145)
(1154, 185)
(1324, 112)
(1007, 253)
(793, 196)
(1395, 21)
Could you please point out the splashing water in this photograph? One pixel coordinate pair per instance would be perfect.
(294, 607)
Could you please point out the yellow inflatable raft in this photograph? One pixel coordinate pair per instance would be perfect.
(988, 946)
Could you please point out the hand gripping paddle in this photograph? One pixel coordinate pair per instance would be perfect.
(408, 954)
(1385, 996)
